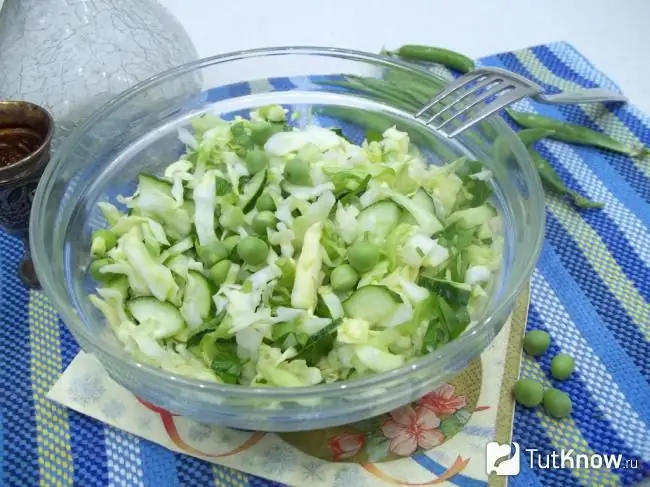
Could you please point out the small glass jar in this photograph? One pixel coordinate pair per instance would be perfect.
(25, 137)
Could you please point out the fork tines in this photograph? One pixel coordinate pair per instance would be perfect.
(473, 97)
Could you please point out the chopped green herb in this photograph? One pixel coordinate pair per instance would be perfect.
(226, 363)
(447, 290)
(373, 136)
(347, 197)
(281, 330)
(320, 344)
(223, 187)
(207, 327)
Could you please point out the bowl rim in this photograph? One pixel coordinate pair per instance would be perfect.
(452, 349)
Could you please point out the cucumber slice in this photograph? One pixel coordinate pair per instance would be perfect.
(379, 218)
(252, 191)
(426, 220)
(164, 318)
(372, 303)
(154, 195)
(197, 300)
(422, 199)
(149, 183)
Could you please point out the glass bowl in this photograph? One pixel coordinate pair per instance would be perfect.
(137, 131)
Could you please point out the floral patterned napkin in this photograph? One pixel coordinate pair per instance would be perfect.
(439, 438)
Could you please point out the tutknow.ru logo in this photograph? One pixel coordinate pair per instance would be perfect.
(506, 459)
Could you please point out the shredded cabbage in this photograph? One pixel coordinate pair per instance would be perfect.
(245, 264)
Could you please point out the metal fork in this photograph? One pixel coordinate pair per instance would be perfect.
(482, 92)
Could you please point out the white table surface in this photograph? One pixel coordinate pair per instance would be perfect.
(613, 34)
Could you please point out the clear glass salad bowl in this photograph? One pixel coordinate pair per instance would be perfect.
(137, 131)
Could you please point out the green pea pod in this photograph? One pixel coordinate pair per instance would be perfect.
(388, 88)
(529, 136)
(548, 175)
(423, 93)
(423, 88)
(358, 117)
(439, 55)
(396, 97)
(552, 180)
(576, 134)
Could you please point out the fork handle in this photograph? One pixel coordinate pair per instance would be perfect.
(588, 95)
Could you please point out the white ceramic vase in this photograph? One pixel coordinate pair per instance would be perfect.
(71, 56)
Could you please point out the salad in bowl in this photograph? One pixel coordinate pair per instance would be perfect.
(271, 255)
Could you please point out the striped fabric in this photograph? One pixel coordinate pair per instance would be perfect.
(591, 292)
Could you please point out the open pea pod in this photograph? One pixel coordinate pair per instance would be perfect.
(377, 89)
(577, 134)
(550, 178)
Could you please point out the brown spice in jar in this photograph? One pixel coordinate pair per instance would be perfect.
(16, 143)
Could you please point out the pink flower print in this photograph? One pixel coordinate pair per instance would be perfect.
(408, 428)
(346, 445)
(442, 401)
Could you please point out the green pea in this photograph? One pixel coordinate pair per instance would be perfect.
(242, 275)
(265, 203)
(256, 161)
(244, 140)
(110, 239)
(239, 128)
(253, 250)
(536, 343)
(261, 132)
(231, 217)
(279, 127)
(273, 113)
(296, 171)
(230, 243)
(120, 283)
(213, 253)
(344, 278)
(528, 392)
(264, 220)
(219, 272)
(363, 256)
(562, 366)
(557, 403)
(95, 270)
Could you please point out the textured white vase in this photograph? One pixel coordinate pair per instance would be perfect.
(71, 56)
